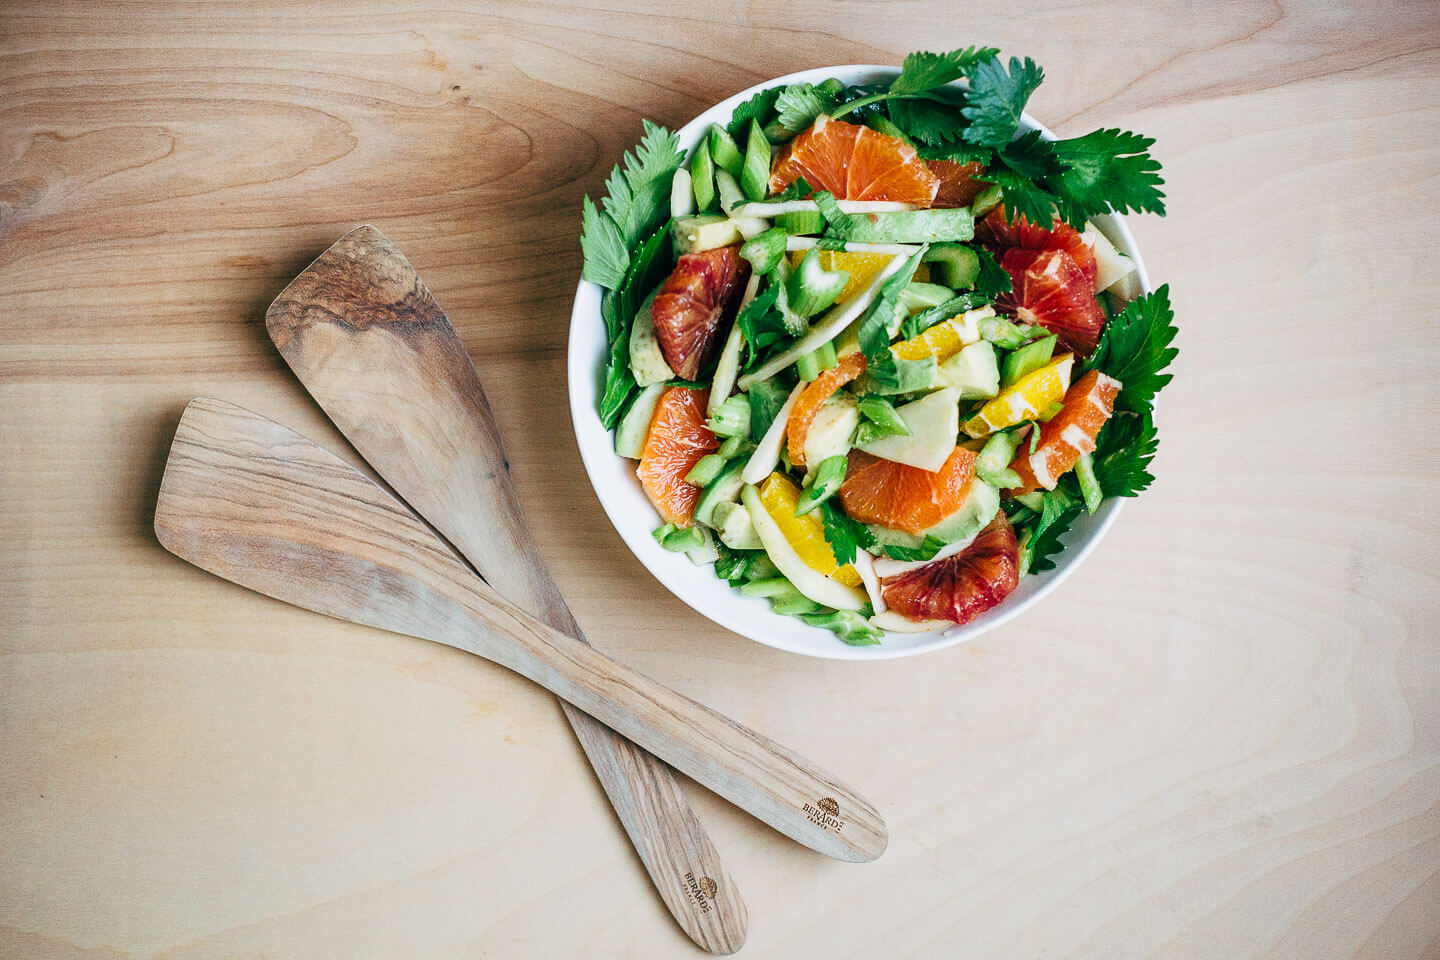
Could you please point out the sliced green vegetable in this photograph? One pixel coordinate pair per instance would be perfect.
(919, 295)
(812, 288)
(755, 173)
(769, 587)
(954, 264)
(729, 189)
(974, 371)
(907, 226)
(732, 521)
(821, 358)
(1027, 359)
(823, 485)
(702, 177)
(800, 222)
(736, 446)
(881, 412)
(706, 469)
(678, 539)
(724, 489)
(987, 200)
(848, 625)
(1006, 334)
(765, 250)
(725, 152)
(761, 567)
(794, 606)
(992, 463)
(1089, 486)
(910, 376)
(732, 419)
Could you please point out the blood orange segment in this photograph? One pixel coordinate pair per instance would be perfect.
(902, 497)
(813, 396)
(996, 231)
(962, 587)
(806, 534)
(855, 163)
(1070, 433)
(958, 186)
(701, 291)
(678, 439)
(1051, 290)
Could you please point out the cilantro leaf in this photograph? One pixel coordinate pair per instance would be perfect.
(930, 546)
(933, 121)
(757, 108)
(924, 71)
(1022, 196)
(1135, 347)
(1107, 170)
(639, 186)
(606, 253)
(1030, 156)
(800, 103)
(959, 151)
(844, 534)
(759, 322)
(997, 97)
(1124, 449)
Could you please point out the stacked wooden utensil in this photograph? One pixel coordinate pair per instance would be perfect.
(258, 504)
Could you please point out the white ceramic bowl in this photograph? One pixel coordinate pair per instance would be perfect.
(620, 494)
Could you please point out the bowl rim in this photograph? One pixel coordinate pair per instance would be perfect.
(597, 451)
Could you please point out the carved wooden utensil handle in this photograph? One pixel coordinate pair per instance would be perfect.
(258, 504)
(364, 335)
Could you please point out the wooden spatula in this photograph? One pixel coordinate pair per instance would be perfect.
(258, 504)
(366, 338)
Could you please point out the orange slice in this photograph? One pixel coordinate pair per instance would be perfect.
(855, 163)
(1088, 404)
(903, 497)
(678, 439)
(806, 534)
(816, 393)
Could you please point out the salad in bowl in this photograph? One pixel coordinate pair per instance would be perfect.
(874, 343)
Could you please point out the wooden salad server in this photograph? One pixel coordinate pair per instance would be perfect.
(366, 338)
(258, 504)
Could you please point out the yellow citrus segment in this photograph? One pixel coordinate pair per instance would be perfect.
(806, 534)
(1024, 399)
(862, 267)
(943, 340)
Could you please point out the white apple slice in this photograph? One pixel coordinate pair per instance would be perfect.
(934, 422)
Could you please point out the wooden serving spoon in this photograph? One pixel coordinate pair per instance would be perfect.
(256, 503)
(366, 338)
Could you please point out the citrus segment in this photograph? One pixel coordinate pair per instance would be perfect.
(1049, 289)
(689, 306)
(816, 393)
(1024, 399)
(958, 186)
(678, 439)
(806, 534)
(862, 267)
(902, 497)
(1070, 433)
(997, 231)
(941, 341)
(855, 163)
(962, 587)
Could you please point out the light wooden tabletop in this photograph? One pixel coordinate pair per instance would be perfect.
(1219, 739)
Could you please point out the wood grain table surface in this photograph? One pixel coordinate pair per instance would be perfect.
(1219, 739)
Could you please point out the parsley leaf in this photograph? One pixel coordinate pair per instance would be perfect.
(1135, 347)
(605, 251)
(993, 281)
(1107, 170)
(1042, 536)
(639, 186)
(997, 97)
(800, 103)
(757, 108)
(924, 71)
(844, 534)
(1124, 449)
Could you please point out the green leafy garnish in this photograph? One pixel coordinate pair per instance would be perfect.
(996, 99)
(800, 103)
(1107, 170)
(1135, 347)
(760, 324)
(766, 399)
(930, 546)
(844, 534)
(924, 71)
(1124, 449)
(618, 307)
(758, 107)
(993, 280)
(1040, 539)
(874, 332)
(606, 254)
(639, 187)
(918, 323)
(847, 625)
